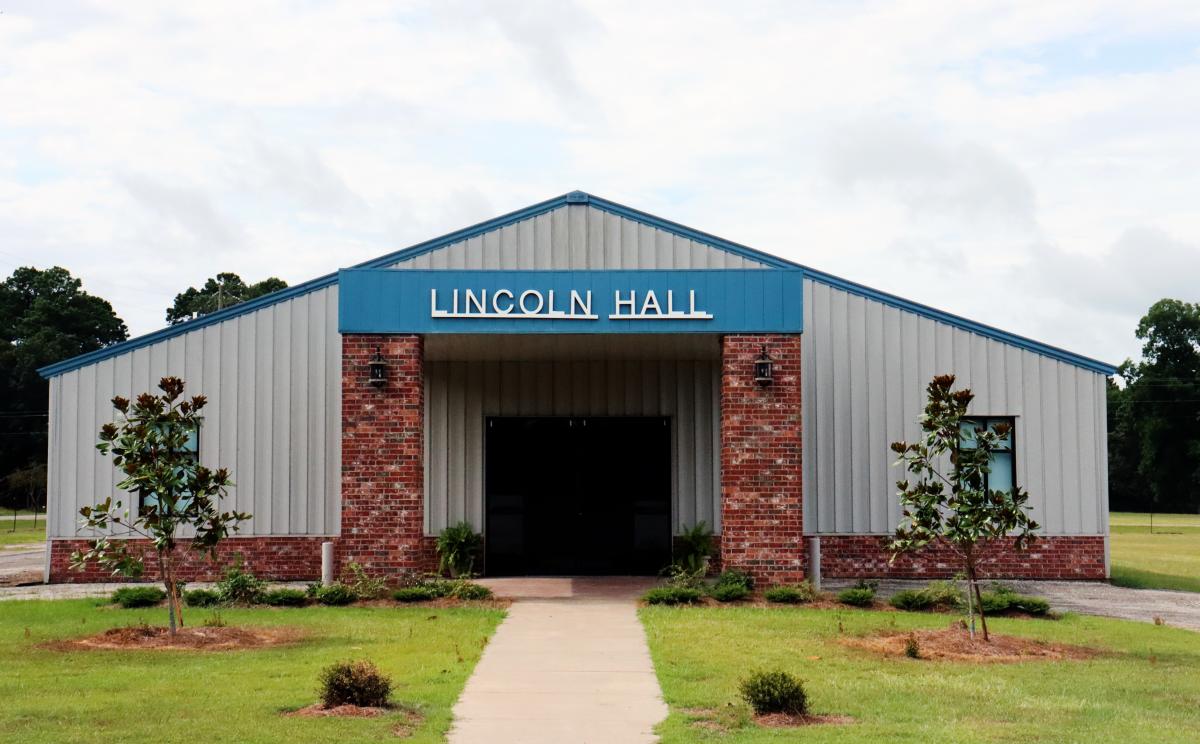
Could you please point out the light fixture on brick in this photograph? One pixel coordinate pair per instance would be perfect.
(763, 368)
(378, 374)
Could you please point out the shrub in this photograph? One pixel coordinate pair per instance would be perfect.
(993, 603)
(913, 600)
(912, 649)
(682, 577)
(130, 597)
(858, 596)
(774, 692)
(415, 594)
(729, 592)
(364, 585)
(285, 598)
(312, 589)
(796, 594)
(672, 595)
(355, 683)
(336, 594)
(468, 590)
(214, 621)
(239, 586)
(694, 547)
(1035, 606)
(457, 546)
(733, 577)
(202, 598)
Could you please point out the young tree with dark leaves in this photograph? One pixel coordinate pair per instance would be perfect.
(171, 490)
(946, 498)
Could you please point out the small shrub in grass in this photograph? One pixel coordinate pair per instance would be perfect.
(795, 594)
(131, 597)
(355, 683)
(912, 649)
(857, 596)
(415, 594)
(202, 598)
(729, 592)
(774, 692)
(672, 595)
(239, 586)
(336, 594)
(214, 621)
(285, 598)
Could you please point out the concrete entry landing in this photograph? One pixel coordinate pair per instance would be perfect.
(569, 664)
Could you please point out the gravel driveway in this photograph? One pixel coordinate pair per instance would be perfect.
(1180, 609)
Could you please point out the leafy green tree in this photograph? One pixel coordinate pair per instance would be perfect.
(946, 498)
(1158, 422)
(170, 490)
(221, 291)
(45, 317)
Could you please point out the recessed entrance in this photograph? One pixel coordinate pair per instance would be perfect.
(577, 496)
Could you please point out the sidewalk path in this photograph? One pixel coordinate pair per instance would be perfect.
(569, 664)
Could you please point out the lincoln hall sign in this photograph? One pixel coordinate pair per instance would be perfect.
(626, 301)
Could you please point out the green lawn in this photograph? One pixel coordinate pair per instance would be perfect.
(175, 696)
(1146, 690)
(25, 532)
(1167, 559)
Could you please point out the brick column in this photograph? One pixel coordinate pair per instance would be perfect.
(383, 467)
(762, 507)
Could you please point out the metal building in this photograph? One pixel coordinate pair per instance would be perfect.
(576, 380)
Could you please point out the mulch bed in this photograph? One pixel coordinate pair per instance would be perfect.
(955, 644)
(410, 719)
(158, 638)
(783, 720)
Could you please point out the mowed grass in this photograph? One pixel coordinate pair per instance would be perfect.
(181, 696)
(25, 532)
(1145, 689)
(1168, 558)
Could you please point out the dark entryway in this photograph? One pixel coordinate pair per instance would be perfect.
(578, 496)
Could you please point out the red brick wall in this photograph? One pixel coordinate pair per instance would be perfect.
(383, 466)
(280, 558)
(1059, 557)
(762, 507)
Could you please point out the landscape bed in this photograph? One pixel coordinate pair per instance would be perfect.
(1142, 685)
(154, 696)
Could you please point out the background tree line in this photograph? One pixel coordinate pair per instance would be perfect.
(45, 317)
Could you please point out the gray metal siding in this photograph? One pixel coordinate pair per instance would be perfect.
(273, 381)
(458, 395)
(865, 367)
(578, 236)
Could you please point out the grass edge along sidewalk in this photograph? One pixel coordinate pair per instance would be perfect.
(54, 696)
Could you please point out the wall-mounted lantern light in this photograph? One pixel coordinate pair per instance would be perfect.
(763, 368)
(378, 375)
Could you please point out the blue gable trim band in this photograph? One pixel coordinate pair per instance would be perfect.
(579, 197)
(433, 301)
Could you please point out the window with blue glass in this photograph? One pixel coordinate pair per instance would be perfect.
(192, 447)
(1002, 464)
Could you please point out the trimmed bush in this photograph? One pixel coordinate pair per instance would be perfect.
(415, 594)
(131, 597)
(239, 586)
(729, 592)
(336, 595)
(796, 594)
(858, 596)
(774, 692)
(939, 595)
(202, 598)
(468, 590)
(285, 598)
(355, 683)
(672, 595)
(912, 600)
(1035, 606)
(733, 577)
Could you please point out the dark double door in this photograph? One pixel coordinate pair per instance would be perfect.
(577, 496)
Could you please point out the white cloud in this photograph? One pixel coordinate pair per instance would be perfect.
(1013, 162)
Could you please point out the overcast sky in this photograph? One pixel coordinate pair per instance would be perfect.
(1035, 166)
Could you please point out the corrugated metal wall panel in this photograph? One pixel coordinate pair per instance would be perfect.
(273, 416)
(578, 236)
(865, 369)
(460, 394)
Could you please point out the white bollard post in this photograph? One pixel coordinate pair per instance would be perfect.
(814, 562)
(326, 563)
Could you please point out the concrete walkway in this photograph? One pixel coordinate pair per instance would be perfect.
(569, 664)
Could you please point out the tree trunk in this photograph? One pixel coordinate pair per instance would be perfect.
(982, 616)
(164, 572)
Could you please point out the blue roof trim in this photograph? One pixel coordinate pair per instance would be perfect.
(580, 197)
